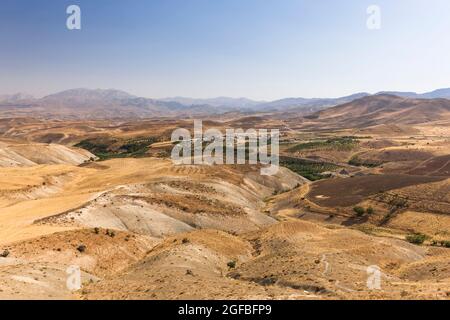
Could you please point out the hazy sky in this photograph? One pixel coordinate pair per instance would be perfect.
(261, 49)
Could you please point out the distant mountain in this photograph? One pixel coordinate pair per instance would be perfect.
(440, 93)
(411, 95)
(287, 104)
(235, 103)
(88, 96)
(99, 103)
(384, 109)
(14, 98)
(436, 94)
(87, 103)
(314, 104)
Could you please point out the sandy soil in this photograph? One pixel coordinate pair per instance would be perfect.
(145, 229)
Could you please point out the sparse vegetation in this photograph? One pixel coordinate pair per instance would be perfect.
(358, 162)
(176, 216)
(441, 243)
(110, 233)
(417, 238)
(359, 211)
(398, 202)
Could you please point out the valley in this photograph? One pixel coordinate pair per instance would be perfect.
(362, 184)
(221, 158)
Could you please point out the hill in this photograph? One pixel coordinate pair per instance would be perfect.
(13, 154)
(384, 109)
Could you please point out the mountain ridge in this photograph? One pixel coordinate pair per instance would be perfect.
(384, 109)
(112, 103)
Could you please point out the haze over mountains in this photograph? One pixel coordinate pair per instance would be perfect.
(99, 103)
(292, 104)
(14, 98)
(217, 102)
(296, 102)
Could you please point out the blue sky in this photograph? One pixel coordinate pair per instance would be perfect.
(261, 49)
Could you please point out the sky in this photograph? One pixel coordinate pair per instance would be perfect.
(260, 49)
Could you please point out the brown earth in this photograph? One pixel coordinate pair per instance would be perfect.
(351, 191)
(146, 229)
(292, 260)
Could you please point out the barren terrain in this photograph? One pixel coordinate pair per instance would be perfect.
(354, 194)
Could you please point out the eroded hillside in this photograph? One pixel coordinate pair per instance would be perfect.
(346, 203)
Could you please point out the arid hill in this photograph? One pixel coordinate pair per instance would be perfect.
(32, 154)
(363, 188)
(383, 110)
(290, 260)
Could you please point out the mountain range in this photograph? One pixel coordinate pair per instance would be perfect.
(436, 94)
(217, 102)
(293, 103)
(99, 103)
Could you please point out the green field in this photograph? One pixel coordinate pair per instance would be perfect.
(106, 149)
(332, 144)
(311, 170)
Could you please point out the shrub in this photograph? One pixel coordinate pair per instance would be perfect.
(370, 210)
(231, 264)
(358, 162)
(441, 243)
(359, 211)
(189, 272)
(4, 254)
(112, 234)
(445, 243)
(417, 238)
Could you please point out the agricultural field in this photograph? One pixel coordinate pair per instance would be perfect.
(312, 170)
(351, 191)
